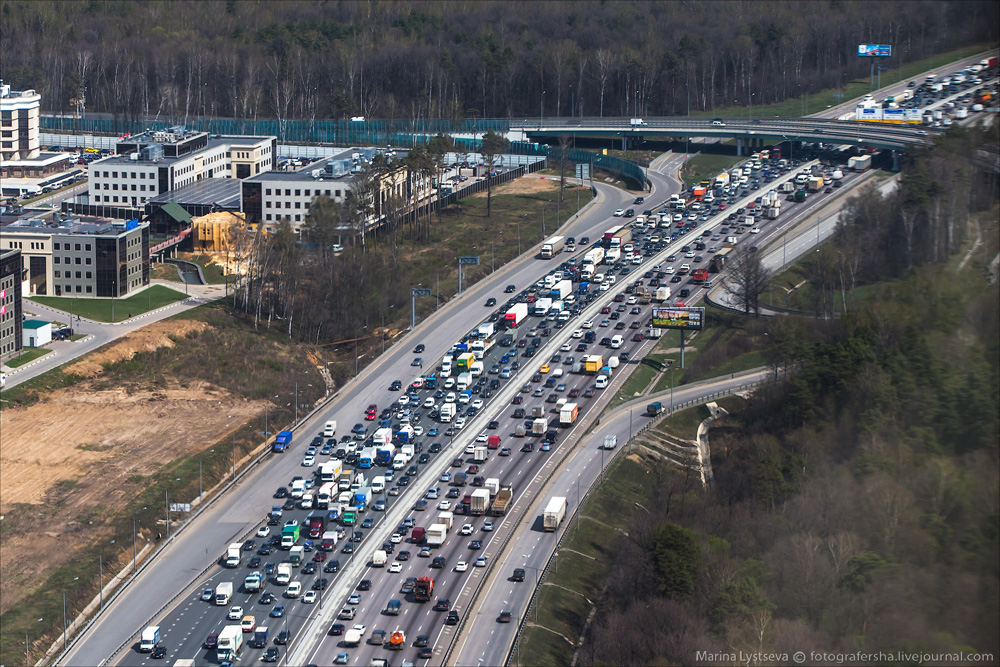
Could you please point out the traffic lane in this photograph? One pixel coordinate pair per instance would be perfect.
(531, 548)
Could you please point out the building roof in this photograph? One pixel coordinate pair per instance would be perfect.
(34, 324)
(222, 191)
(176, 211)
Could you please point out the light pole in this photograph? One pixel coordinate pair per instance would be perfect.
(525, 216)
(536, 586)
(541, 111)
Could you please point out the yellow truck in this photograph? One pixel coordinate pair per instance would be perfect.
(592, 364)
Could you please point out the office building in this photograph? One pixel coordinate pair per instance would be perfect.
(80, 257)
(11, 275)
(19, 123)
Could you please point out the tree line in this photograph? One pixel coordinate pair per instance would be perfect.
(854, 506)
(307, 60)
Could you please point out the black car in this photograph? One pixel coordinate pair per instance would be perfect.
(309, 567)
(332, 566)
(490, 302)
(267, 598)
(422, 641)
(282, 492)
(396, 385)
(365, 585)
(254, 562)
(270, 655)
(159, 652)
(443, 604)
(321, 584)
(249, 545)
(453, 618)
(423, 458)
(419, 348)
(283, 637)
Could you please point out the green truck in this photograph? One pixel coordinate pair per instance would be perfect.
(289, 536)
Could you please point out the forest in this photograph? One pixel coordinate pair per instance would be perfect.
(856, 503)
(251, 59)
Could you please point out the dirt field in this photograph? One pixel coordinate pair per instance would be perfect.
(525, 186)
(82, 453)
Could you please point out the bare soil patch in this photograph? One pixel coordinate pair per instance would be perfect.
(81, 454)
(525, 186)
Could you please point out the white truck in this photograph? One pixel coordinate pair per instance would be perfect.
(352, 638)
(662, 294)
(436, 535)
(233, 554)
(554, 513)
(379, 558)
(493, 486)
(561, 289)
(284, 574)
(610, 441)
(859, 162)
(552, 246)
(447, 519)
(253, 582)
(223, 593)
(539, 425)
(230, 643)
(330, 429)
(447, 413)
(149, 639)
(480, 502)
(541, 306)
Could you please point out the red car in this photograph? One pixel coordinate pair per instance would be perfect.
(319, 556)
(212, 641)
(637, 337)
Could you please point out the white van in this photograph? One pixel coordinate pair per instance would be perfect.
(601, 382)
(617, 342)
(294, 589)
(298, 488)
(307, 501)
(378, 484)
(330, 430)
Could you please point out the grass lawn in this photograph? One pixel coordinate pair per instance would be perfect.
(213, 273)
(684, 423)
(796, 106)
(636, 383)
(155, 297)
(706, 166)
(585, 555)
(27, 355)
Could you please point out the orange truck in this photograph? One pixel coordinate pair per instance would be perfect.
(397, 641)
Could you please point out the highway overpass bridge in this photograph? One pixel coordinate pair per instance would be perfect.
(749, 133)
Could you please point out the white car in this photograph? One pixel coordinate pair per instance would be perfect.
(471, 449)
(449, 383)
(619, 212)
(361, 628)
(685, 267)
(396, 567)
(460, 423)
(487, 526)
(689, 254)
(449, 397)
(396, 538)
(588, 324)
(604, 323)
(429, 402)
(478, 404)
(577, 334)
(464, 397)
(565, 347)
(605, 286)
(481, 561)
(432, 493)
(669, 269)
(309, 597)
(461, 566)
(637, 259)
(263, 531)
(444, 505)
(482, 437)
(755, 230)
(418, 430)
(631, 300)
(403, 400)
(235, 613)
(467, 529)
(309, 461)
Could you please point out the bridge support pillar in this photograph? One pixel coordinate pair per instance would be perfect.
(739, 147)
(895, 160)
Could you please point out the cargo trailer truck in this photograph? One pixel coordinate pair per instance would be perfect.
(554, 513)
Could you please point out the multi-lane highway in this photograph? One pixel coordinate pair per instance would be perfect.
(187, 621)
(166, 592)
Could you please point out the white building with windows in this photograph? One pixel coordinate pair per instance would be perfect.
(19, 124)
(153, 163)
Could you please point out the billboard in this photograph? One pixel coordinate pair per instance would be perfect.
(874, 50)
(692, 319)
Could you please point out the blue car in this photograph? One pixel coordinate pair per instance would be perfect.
(277, 611)
(307, 545)
(433, 431)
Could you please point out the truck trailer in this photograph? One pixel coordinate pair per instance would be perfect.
(552, 246)
(554, 513)
(149, 639)
(230, 643)
(502, 500)
(233, 554)
(568, 414)
(515, 315)
(480, 502)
